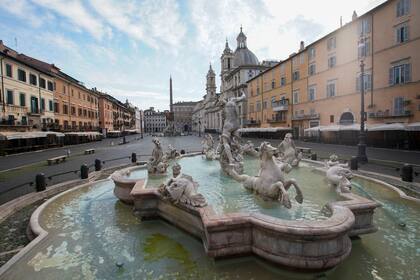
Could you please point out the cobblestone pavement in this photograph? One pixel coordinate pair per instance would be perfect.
(22, 168)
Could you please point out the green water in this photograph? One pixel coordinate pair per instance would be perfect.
(90, 232)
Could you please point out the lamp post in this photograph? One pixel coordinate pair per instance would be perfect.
(361, 155)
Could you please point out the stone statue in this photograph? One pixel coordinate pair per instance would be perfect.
(157, 163)
(270, 183)
(338, 175)
(208, 148)
(230, 150)
(182, 189)
(333, 161)
(249, 149)
(288, 152)
(171, 153)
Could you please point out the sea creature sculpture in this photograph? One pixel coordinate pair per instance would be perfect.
(333, 161)
(339, 176)
(288, 152)
(157, 163)
(172, 153)
(208, 148)
(249, 149)
(270, 183)
(182, 189)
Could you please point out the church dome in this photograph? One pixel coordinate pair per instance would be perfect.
(243, 56)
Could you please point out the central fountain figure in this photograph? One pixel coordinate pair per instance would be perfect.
(157, 164)
(230, 148)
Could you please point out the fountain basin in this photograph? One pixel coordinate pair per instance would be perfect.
(312, 245)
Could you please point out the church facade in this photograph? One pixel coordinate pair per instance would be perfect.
(237, 67)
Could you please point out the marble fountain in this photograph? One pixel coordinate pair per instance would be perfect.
(260, 212)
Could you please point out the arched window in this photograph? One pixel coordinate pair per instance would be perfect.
(347, 118)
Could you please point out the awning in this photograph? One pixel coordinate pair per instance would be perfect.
(413, 126)
(263, 129)
(12, 135)
(82, 133)
(387, 127)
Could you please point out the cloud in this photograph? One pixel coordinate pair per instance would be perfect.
(22, 9)
(75, 12)
(156, 23)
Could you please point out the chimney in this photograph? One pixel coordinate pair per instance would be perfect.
(354, 16)
(341, 21)
(302, 46)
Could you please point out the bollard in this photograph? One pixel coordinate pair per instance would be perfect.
(407, 173)
(353, 163)
(182, 152)
(84, 171)
(98, 165)
(313, 156)
(40, 182)
(133, 157)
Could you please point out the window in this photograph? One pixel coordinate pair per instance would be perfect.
(331, 43)
(258, 106)
(283, 81)
(282, 68)
(34, 105)
(32, 79)
(331, 89)
(56, 108)
(258, 91)
(22, 99)
(399, 105)
(311, 93)
(401, 33)
(364, 48)
(331, 118)
(50, 106)
(79, 111)
(21, 75)
(73, 110)
(367, 81)
(9, 97)
(364, 26)
(403, 8)
(265, 104)
(50, 86)
(273, 84)
(251, 108)
(42, 82)
(42, 104)
(312, 69)
(332, 61)
(400, 74)
(311, 54)
(65, 109)
(9, 71)
(296, 75)
(296, 97)
(64, 89)
(302, 58)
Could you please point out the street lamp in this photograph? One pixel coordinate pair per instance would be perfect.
(361, 155)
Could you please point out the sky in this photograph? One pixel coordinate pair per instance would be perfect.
(130, 48)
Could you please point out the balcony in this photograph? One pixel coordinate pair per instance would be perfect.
(390, 114)
(314, 116)
(277, 120)
(280, 106)
(14, 109)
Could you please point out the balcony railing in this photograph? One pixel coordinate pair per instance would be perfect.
(390, 114)
(279, 106)
(14, 109)
(306, 117)
(251, 123)
(277, 120)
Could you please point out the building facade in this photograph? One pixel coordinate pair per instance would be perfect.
(318, 88)
(106, 113)
(183, 112)
(27, 92)
(154, 121)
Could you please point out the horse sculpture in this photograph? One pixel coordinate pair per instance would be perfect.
(270, 183)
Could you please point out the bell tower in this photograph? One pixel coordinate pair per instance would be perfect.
(211, 83)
